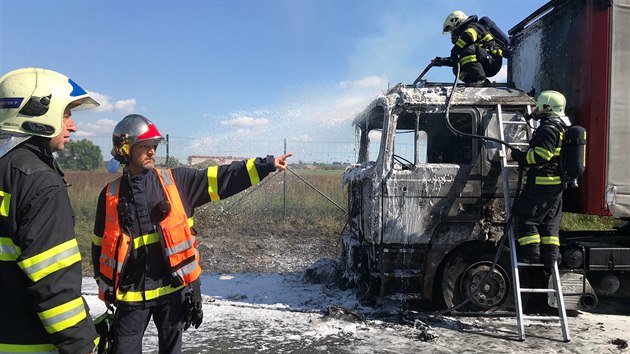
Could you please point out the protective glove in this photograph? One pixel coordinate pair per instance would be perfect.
(443, 61)
(194, 312)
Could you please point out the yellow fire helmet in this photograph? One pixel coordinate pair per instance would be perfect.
(33, 100)
(551, 103)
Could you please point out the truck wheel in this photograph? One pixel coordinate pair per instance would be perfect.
(463, 274)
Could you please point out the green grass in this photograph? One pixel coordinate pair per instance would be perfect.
(574, 222)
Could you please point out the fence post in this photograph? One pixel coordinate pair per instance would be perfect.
(284, 185)
(167, 152)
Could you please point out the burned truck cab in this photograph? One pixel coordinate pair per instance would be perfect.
(425, 196)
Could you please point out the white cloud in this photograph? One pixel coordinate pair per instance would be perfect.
(125, 106)
(105, 104)
(245, 121)
(103, 126)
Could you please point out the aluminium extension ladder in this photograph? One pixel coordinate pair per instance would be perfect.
(557, 286)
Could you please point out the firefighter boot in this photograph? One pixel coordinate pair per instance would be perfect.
(550, 255)
(529, 253)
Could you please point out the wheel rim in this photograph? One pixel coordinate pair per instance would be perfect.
(493, 292)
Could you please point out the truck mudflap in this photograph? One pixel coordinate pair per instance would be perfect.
(577, 292)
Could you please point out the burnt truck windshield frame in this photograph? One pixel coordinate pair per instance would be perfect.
(423, 138)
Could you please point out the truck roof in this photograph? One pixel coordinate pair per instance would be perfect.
(432, 97)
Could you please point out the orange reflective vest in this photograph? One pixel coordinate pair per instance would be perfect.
(179, 245)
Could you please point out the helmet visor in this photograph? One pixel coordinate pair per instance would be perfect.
(150, 142)
(447, 29)
(83, 104)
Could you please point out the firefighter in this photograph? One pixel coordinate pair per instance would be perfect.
(479, 53)
(538, 209)
(41, 308)
(144, 250)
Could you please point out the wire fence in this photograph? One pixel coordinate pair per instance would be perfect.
(188, 149)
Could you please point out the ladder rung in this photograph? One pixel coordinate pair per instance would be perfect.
(519, 144)
(542, 318)
(515, 122)
(533, 290)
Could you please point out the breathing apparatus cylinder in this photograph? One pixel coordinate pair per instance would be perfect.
(574, 152)
(496, 32)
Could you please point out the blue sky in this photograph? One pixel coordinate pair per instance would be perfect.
(217, 73)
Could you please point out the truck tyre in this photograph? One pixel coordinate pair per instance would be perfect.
(464, 271)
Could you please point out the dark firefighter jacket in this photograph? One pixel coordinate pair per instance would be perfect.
(145, 279)
(469, 33)
(543, 155)
(41, 307)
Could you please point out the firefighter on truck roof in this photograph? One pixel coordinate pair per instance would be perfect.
(479, 53)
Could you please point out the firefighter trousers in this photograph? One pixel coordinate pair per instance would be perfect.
(537, 215)
(130, 324)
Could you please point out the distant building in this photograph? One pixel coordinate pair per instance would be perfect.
(221, 160)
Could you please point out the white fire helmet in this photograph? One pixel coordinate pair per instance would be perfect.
(33, 100)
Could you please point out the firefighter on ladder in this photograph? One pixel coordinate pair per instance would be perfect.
(41, 308)
(144, 249)
(538, 209)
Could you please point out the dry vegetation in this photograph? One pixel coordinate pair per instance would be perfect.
(255, 231)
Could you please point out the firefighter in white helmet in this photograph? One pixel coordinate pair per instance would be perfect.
(538, 210)
(478, 46)
(41, 308)
(154, 270)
